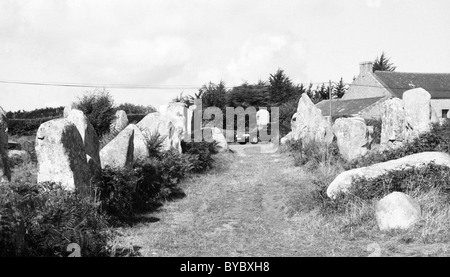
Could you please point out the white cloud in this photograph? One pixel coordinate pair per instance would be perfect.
(373, 3)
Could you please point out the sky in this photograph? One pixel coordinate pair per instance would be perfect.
(177, 46)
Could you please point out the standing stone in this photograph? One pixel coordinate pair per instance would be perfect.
(90, 139)
(175, 112)
(158, 123)
(140, 151)
(120, 121)
(67, 110)
(397, 211)
(61, 155)
(190, 115)
(217, 136)
(393, 123)
(417, 105)
(434, 117)
(353, 137)
(118, 153)
(308, 124)
(406, 119)
(262, 118)
(6, 171)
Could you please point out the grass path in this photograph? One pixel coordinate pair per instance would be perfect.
(244, 208)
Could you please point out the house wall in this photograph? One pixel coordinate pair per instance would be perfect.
(365, 86)
(439, 105)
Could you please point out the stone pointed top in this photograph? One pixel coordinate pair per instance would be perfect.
(305, 100)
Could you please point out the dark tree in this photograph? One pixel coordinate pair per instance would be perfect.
(339, 89)
(246, 95)
(98, 106)
(281, 88)
(383, 63)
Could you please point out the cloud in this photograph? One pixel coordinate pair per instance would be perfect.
(373, 3)
(264, 54)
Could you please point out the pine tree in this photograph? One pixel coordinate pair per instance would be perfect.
(383, 64)
(339, 89)
(281, 87)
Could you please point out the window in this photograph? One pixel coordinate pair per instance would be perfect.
(444, 113)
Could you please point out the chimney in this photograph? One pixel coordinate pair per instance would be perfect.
(365, 67)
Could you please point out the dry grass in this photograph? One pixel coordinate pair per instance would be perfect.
(260, 205)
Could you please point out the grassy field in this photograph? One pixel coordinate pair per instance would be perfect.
(254, 205)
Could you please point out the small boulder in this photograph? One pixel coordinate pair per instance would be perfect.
(120, 121)
(397, 211)
(119, 152)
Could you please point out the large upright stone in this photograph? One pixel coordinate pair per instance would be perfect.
(6, 171)
(140, 151)
(120, 121)
(308, 124)
(175, 111)
(162, 125)
(397, 211)
(404, 120)
(61, 155)
(393, 122)
(418, 113)
(353, 137)
(90, 139)
(119, 152)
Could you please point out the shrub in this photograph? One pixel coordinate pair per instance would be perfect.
(312, 153)
(423, 180)
(130, 108)
(201, 154)
(98, 106)
(154, 143)
(115, 189)
(26, 127)
(426, 178)
(41, 220)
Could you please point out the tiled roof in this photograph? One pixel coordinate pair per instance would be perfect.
(348, 107)
(437, 84)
